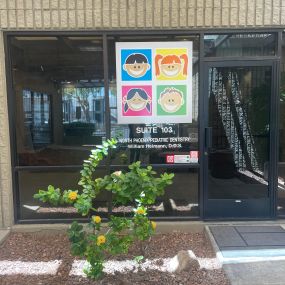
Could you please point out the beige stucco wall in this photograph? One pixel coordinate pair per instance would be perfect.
(117, 14)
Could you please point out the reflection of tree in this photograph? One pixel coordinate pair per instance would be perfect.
(82, 95)
(113, 90)
(259, 109)
(259, 118)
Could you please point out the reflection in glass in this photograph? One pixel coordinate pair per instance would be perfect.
(59, 95)
(58, 85)
(31, 181)
(37, 118)
(239, 115)
(240, 45)
(180, 198)
(83, 115)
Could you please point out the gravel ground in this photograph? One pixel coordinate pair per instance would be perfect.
(47, 247)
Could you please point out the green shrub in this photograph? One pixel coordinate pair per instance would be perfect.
(138, 186)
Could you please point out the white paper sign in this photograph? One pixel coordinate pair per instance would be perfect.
(154, 82)
(181, 158)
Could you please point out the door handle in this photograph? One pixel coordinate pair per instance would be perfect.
(208, 138)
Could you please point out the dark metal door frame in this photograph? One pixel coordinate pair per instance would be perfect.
(273, 152)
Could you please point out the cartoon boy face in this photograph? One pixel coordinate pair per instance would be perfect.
(136, 65)
(171, 100)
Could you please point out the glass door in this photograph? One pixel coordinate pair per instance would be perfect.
(237, 140)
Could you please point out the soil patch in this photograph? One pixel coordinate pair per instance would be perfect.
(47, 247)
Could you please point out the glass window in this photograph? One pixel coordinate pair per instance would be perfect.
(167, 139)
(59, 112)
(281, 165)
(239, 45)
(59, 92)
(31, 181)
(180, 198)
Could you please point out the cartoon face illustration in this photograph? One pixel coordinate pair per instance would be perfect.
(136, 100)
(136, 65)
(171, 100)
(171, 65)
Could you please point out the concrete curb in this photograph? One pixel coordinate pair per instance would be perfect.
(3, 235)
(162, 227)
(25, 228)
(212, 240)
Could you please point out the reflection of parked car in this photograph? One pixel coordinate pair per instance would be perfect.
(78, 129)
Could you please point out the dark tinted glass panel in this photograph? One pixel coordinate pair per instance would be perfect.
(153, 142)
(59, 98)
(180, 199)
(281, 168)
(239, 117)
(31, 181)
(240, 45)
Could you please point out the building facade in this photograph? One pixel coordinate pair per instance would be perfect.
(58, 99)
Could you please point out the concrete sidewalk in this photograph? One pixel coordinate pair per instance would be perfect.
(251, 255)
(256, 273)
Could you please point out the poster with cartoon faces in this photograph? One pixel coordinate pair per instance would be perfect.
(154, 82)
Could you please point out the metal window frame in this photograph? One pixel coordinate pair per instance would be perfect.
(121, 32)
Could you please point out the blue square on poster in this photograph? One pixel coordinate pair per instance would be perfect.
(136, 64)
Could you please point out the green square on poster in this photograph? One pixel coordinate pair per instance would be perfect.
(171, 100)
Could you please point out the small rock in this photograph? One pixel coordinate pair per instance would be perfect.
(183, 262)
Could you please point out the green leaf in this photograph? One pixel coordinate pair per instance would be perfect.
(139, 258)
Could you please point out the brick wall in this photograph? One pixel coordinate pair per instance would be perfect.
(105, 14)
(117, 14)
(6, 197)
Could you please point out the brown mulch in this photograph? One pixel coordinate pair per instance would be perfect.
(47, 247)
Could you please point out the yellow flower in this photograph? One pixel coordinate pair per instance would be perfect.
(153, 225)
(117, 173)
(96, 219)
(101, 239)
(72, 195)
(140, 211)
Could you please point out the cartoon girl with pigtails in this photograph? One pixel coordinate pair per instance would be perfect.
(137, 100)
(171, 65)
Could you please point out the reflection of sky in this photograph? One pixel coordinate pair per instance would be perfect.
(211, 37)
